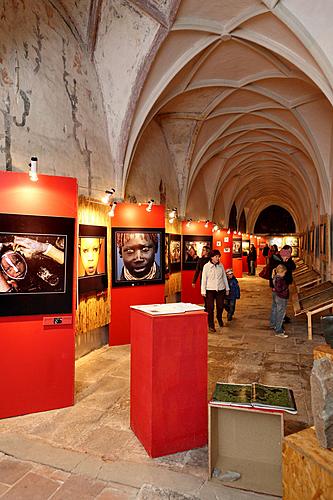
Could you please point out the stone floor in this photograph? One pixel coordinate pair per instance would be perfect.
(88, 451)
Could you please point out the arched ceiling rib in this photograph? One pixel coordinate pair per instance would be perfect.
(245, 95)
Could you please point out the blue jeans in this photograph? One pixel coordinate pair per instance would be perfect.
(279, 307)
(229, 306)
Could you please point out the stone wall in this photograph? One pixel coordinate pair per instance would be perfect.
(50, 100)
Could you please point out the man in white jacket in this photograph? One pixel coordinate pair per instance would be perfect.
(214, 286)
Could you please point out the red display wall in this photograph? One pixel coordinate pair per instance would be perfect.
(190, 294)
(130, 215)
(222, 240)
(37, 360)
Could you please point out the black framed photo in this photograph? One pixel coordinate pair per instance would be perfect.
(36, 264)
(237, 247)
(192, 249)
(175, 254)
(166, 253)
(138, 256)
(92, 270)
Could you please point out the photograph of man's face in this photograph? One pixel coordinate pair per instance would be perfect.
(237, 247)
(92, 256)
(138, 256)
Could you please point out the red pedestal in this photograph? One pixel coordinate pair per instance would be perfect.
(169, 381)
(237, 267)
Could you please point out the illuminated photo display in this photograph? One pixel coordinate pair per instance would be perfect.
(138, 256)
(92, 269)
(36, 264)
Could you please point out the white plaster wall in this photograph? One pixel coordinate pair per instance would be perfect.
(151, 165)
(50, 101)
(125, 38)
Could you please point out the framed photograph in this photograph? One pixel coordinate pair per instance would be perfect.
(226, 239)
(291, 241)
(218, 243)
(236, 247)
(138, 256)
(166, 253)
(245, 246)
(175, 254)
(192, 249)
(227, 250)
(36, 265)
(92, 271)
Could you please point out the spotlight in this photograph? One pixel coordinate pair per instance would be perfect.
(189, 222)
(228, 232)
(239, 233)
(215, 228)
(206, 223)
(172, 215)
(113, 209)
(33, 169)
(107, 197)
(150, 205)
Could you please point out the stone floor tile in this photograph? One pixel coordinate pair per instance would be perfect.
(79, 487)
(3, 488)
(12, 470)
(31, 486)
(118, 492)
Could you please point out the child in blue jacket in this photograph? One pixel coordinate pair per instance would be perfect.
(230, 300)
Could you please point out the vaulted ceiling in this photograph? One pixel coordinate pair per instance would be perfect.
(242, 90)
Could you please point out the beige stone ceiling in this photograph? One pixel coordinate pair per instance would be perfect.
(242, 90)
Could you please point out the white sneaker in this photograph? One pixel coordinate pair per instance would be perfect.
(282, 335)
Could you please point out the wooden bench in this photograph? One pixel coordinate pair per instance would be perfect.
(301, 270)
(314, 304)
(306, 279)
(305, 293)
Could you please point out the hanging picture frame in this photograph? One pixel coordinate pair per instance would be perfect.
(92, 255)
(192, 249)
(138, 256)
(175, 254)
(36, 264)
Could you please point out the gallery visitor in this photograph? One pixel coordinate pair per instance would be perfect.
(214, 287)
(234, 294)
(251, 260)
(280, 295)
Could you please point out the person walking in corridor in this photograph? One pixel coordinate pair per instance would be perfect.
(252, 259)
(214, 287)
(280, 295)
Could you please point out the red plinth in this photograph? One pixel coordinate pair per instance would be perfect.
(169, 381)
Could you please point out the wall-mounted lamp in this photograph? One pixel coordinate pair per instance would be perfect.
(189, 222)
(113, 209)
(206, 223)
(150, 205)
(33, 169)
(107, 197)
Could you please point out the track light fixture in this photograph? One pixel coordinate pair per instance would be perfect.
(189, 222)
(107, 197)
(215, 228)
(206, 223)
(150, 205)
(113, 209)
(33, 169)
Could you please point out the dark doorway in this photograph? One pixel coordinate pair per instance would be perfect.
(274, 220)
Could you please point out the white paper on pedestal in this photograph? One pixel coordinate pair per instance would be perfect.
(173, 308)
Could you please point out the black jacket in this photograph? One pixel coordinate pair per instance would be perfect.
(198, 270)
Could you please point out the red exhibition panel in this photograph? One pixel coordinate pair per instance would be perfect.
(131, 216)
(37, 360)
(169, 381)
